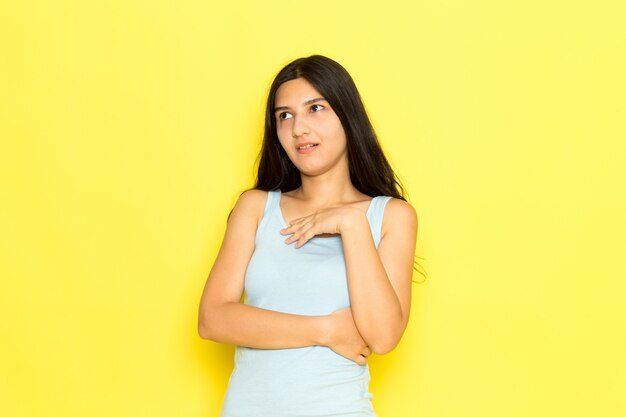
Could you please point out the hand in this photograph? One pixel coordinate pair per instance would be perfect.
(329, 220)
(344, 338)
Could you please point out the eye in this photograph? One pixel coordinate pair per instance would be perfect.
(284, 115)
(316, 107)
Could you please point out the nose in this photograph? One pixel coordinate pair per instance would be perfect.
(299, 127)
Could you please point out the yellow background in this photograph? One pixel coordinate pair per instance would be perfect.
(129, 127)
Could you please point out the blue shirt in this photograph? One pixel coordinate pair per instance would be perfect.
(311, 280)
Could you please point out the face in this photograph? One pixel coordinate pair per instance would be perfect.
(308, 128)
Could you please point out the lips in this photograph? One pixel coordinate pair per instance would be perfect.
(306, 148)
(305, 145)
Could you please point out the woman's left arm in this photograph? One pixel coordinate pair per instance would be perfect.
(379, 282)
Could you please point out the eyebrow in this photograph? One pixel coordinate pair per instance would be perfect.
(313, 100)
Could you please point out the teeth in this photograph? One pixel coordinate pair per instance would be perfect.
(310, 145)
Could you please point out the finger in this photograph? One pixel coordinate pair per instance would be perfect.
(361, 360)
(305, 225)
(295, 231)
(298, 220)
(366, 351)
(296, 225)
(296, 234)
(293, 226)
(305, 234)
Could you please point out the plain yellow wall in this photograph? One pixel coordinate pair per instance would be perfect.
(128, 128)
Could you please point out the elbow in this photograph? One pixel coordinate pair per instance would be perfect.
(211, 323)
(203, 331)
(381, 347)
(206, 329)
(385, 343)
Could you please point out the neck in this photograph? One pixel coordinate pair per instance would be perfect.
(330, 188)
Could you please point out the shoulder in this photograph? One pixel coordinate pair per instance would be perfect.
(399, 216)
(399, 208)
(252, 197)
(251, 205)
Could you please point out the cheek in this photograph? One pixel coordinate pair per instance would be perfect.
(339, 134)
(283, 130)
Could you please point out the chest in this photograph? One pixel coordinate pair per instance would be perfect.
(310, 280)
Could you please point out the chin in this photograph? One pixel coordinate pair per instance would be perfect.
(308, 169)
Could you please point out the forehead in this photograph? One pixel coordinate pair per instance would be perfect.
(295, 92)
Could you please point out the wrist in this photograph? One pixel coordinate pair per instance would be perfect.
(323, 330)
(356, 219)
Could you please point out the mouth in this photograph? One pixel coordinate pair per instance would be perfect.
(306, 146)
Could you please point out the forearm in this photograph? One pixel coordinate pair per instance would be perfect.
(249, 326)
(375, 306)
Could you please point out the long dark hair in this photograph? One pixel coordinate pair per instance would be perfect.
(369, 169)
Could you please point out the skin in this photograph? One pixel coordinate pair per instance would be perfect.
(327, 203)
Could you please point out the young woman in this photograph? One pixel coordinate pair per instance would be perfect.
(323, 249)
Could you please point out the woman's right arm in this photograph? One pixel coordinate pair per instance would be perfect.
(222, 317)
